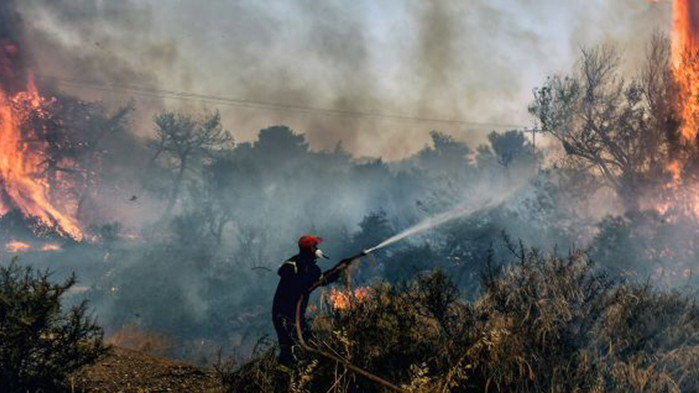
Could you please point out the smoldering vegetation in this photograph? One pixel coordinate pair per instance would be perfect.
(216, 217)
(201, 273)
(543, 323)
(186, 228)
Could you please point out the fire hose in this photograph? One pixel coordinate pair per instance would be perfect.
(346, 363)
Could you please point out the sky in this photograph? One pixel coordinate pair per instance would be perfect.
(473, 61)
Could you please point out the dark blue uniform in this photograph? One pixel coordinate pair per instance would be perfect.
(299, 275)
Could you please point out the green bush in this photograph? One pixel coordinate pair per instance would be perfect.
(541, 324)
(40, 342)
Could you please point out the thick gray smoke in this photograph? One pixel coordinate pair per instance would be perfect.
(440, 59)
(11, 57)
(204, 271)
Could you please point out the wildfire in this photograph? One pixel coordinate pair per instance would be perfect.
(681, 190)
(23, 183)
(17, 246)
(685, 46)
(343, 299)
(51, 247)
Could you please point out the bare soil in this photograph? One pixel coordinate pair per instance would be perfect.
(127, 371)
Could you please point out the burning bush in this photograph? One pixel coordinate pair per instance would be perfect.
(40, 343)
(543, 324)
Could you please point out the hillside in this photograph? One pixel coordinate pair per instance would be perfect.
(129, 371)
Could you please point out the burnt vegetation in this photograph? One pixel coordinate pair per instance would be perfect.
(216, 217)
(441, 318)
(541, 323)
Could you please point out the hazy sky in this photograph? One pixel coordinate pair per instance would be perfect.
(471, 60)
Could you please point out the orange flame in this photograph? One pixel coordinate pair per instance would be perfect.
(17, 246)
(343, 299)
(685, 46)
(51, 247)
(685, 68)
(685, 29)
(24, 185)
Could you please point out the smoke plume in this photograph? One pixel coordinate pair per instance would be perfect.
(444, 59)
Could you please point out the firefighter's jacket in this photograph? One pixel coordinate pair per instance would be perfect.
(298, 275)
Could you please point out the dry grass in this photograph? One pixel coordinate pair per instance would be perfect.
(542, 324)
(133, 337)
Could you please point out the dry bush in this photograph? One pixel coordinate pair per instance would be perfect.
(259, 374)
(543, 323)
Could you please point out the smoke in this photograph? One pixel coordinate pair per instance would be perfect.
(87, 47)
(11, 57)
(440, 59)
(443, 59)
(466, 210)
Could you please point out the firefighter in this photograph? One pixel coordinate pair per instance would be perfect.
(300, 274)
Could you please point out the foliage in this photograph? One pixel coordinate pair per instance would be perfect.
(511, 146)
(184, 143)
(626, 130)
(446, 156)
(234, 210)
(544, 323)
(40, 343)
(600, 119)
(649, 244)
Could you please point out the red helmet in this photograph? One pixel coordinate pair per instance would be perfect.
(309, 242)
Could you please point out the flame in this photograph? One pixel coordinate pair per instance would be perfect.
(679, 190)
(675, 168)
(51, 247)
(343, 299)
(22, 154)
(685, 29)
(17, 246)
(685, 46)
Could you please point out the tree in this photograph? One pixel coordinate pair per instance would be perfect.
(184, 143)
(373, 229)
(281, 140)
(446, 154)
(622, 129)
(66, 137)
(511, 146)
(40, 343)
(95, 125)
(279, 149)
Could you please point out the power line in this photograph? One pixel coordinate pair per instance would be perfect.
(230, 101)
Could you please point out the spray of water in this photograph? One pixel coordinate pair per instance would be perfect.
(464, 210)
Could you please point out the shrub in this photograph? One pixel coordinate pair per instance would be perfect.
(259, 374)
(40, 342)
(543, 323)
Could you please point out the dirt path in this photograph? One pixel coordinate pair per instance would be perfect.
(129, 371)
